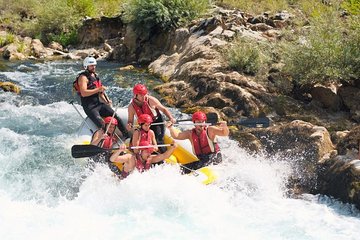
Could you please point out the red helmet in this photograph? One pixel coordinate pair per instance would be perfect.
(145, 118)
(140, 89)
(144, 143)
(110, 119)
(199, 116)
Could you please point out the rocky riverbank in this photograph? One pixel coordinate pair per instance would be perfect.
(319, 136)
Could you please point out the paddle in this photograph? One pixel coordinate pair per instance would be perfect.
(252, 123)
(80, 151)
(211, 117)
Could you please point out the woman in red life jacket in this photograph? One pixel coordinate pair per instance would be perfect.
(108, 140)
(144, 158)
(92, 95)
(203, 140)
(143, 103)
(144, 133)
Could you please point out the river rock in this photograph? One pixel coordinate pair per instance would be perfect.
(304, 145)
(351, 97)
(9, 87)
(10, 52)
(340, 177)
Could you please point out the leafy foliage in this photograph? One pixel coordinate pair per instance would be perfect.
(65, 39)
(7, 39)
(52, 19)
(163, 15)
(329, 53)
(247, 56)
(352, 6)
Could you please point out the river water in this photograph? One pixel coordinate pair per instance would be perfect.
(45, 195)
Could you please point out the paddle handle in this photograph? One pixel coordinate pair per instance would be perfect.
(158, 123)
(161, 123)
(106, 97)
(139, 147)
(193, 124)
(180, 124)
(159, 145)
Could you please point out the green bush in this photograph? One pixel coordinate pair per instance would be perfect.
(247, 56)
(329, 53)
(162, 15)
(53, 19)
(65, 39)
(7, 39)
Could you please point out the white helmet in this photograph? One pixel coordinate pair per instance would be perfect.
(89, 61)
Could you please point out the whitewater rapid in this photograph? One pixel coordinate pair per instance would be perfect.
(45, 195)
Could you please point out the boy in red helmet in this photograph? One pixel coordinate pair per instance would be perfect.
(144, 158)
(203, 140)
(144, 133)
(142, 103)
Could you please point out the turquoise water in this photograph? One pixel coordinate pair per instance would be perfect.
(45, 195)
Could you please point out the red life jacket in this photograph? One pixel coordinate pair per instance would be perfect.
(202, 144)
(140, 164)
(144, 136)
(144, 109)
(108, 142)
(93, 82)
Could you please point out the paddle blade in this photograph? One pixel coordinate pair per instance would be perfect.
(205, 175)
(81, 151)
(212, 118)
(254, 122)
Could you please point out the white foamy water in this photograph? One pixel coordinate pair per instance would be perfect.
(44, 195)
